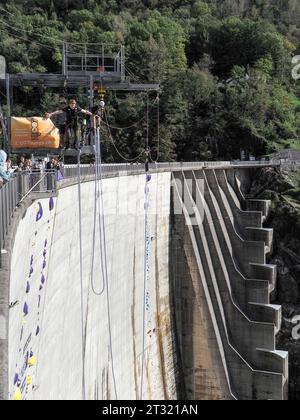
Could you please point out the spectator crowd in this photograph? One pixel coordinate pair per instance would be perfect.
(27, 165)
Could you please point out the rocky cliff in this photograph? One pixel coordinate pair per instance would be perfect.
(283, 188)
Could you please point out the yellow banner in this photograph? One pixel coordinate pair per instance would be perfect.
(33, 133)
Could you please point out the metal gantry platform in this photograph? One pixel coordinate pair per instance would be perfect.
(84, 81)
(81, 63)
(88, 66)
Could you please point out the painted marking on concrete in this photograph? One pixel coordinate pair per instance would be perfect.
(61, 297)
(27, 358)
(51, 204)
(39, 212)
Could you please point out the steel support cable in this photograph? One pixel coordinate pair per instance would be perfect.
(146, 271)
(81, 277)
(1, 93)
(24, 39)
(134, 77)
(125, 128)
(133, 125)
(147, 150)
(158, 131)
(115, 146)
(30, 32)
(147, 253)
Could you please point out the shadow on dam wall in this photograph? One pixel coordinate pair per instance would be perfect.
(191, 315)
(222, 287)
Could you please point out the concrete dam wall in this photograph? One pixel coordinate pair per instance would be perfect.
(168, 306)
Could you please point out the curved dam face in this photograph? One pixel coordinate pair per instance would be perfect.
(45, 325)
(159, 288)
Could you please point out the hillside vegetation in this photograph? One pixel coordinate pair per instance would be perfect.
(224, 68)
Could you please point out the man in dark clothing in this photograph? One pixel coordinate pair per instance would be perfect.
(72, 112)
(51, 164)
(50, 167)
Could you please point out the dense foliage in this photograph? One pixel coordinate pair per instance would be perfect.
(224, 67)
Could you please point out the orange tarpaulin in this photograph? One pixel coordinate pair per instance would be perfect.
(33, 133)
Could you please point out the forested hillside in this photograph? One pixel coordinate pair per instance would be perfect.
(224, 67)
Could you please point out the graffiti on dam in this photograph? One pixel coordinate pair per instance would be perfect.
(32, 309)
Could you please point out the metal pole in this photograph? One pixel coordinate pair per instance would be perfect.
(4, 130)
(83, 337)
(9, 110)
(91, 107)
(103, 61)
(123, 75)
(91, 92)
(64, 60)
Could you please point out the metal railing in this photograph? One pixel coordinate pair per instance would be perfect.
(9, 198)
(70, 171)
(23, 184)
(81, 58)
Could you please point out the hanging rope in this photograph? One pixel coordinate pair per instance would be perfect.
(147, 151)
(98, 194)
(115, 146)
(146, 278)
(132, 75)
(105, 267)
(81, 278)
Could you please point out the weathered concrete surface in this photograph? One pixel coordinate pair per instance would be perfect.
(5, 273)
(209, 327)
(204, 375)
(46, 255)
(253, 368)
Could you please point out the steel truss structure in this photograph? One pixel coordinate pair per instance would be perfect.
(86, 66)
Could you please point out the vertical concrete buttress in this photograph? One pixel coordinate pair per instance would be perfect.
(227, 247)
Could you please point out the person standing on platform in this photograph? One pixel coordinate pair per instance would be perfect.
(72, 112)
